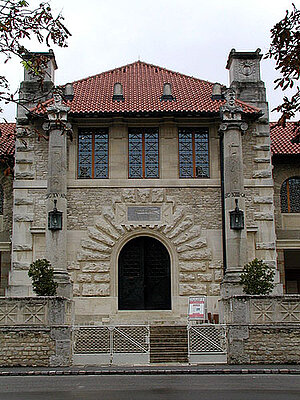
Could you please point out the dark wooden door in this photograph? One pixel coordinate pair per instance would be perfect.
(144, 275)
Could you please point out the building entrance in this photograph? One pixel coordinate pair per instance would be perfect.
(144, 275)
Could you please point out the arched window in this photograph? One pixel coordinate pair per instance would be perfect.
(290, 195)
(1, 199)
(144, 275)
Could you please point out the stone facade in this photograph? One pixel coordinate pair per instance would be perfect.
(193, 223)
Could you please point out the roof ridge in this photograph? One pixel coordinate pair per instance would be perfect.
(144, 63)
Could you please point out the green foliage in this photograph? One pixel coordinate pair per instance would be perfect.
(257, 277)
(41, 274)
(284, 49)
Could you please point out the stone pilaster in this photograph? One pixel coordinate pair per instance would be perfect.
(244, 74)
(31, 92)
(231, 130)
(56, 240)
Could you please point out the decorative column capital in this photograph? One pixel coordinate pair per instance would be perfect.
(57, 115)
(231, 114)
(225, 126)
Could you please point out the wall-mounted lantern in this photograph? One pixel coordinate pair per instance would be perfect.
(236, 217)
(55, 219)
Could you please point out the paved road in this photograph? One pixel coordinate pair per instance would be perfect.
(175, 387)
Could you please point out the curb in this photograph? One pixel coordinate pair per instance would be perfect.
(222, 371)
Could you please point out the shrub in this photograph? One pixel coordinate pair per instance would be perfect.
(41, 273)
(257, 277)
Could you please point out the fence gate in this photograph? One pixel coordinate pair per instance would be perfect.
(207, 344)
(111, 345)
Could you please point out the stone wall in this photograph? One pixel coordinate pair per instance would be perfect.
(21, 347)
(262, 329)
(35, 331)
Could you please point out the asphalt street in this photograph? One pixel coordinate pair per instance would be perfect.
(158, 387)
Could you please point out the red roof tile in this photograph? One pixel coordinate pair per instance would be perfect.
(281, 139)
(7, 138)
(142, 88)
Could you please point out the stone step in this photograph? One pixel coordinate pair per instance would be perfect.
(168, 344)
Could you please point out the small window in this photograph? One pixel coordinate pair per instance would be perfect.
(143, 153)
(167, 92)
(193, 153)
(93, 154)
(290, 195)
(118, 92)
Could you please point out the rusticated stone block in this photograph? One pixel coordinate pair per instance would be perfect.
(262, 174)
(95, 267)
(100, 289)
(192, 289)
(263, 216)
(101, 278)
(184, 277)
(23, 202)
(84, 278)
(22, 247)
(261, 147)
(193, 266)
(218, 275)
(73, 265)
(265, 246)
(205, 277)
(214, 289)
(23, 218)
(76, 289)
(157, 195)
(263, 200)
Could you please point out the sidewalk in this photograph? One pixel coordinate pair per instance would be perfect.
(152, 370)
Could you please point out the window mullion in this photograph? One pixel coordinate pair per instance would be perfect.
(143, 155)
(93, 155)
(194, 155)
(288, 195)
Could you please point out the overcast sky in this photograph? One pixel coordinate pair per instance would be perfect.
(193, 37)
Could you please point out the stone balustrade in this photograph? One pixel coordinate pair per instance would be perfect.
(262, 329)
(36, 331)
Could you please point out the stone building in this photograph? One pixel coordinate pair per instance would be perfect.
(286, 174)
(146, 185)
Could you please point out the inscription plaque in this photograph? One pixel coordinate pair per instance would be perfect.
(143, 213)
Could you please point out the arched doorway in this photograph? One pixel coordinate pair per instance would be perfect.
(144, 275)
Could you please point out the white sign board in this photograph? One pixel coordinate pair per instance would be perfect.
(197, 307)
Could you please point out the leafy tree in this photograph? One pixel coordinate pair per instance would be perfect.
(41, 274)
(257, 277)
(285, 50)
(18, 23)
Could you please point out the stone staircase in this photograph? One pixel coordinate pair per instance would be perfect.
(168, 344)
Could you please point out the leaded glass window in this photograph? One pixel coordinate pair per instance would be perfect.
(290, 195)
(93, 154)
(1, 199)
(193, 153)
(143, 153)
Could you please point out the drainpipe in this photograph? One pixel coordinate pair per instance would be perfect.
(223, 202)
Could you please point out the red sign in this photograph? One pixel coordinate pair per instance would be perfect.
(197, 307)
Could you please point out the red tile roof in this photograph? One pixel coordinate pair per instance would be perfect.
(281, 139)
(142, 88)
(7, 138)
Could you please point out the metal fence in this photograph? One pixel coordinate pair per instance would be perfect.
(112, 344)
(207, 343)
